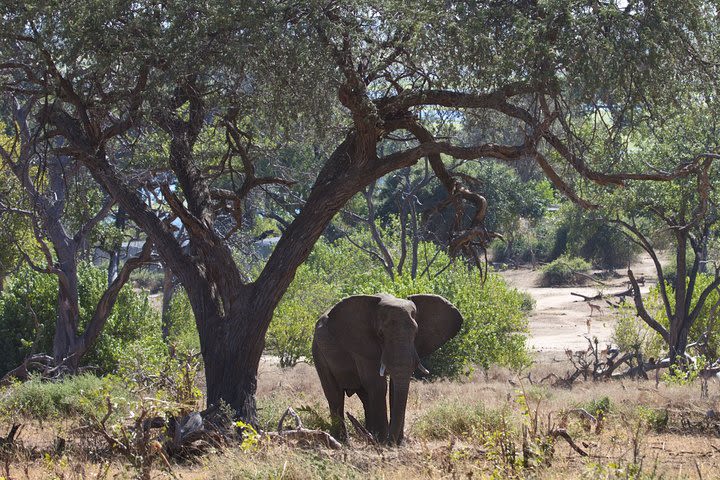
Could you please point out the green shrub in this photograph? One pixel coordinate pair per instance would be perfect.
(76, 395)
(632, 334)
(563, 270)
(598, 406)
(182, 332)
(528, 242)
(28, 312)
(579, 235)
(670, 270)
(147, 279)
(457, 419)
(306, 299)
(655, 418)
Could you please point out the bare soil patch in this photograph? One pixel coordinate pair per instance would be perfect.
(560, 320)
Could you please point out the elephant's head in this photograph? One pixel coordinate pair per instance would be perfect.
(393, 334)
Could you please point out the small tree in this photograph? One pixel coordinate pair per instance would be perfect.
(682, 212)
(50, 182)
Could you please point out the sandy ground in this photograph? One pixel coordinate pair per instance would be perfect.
(562, 321)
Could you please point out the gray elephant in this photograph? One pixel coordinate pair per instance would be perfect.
(365, 338)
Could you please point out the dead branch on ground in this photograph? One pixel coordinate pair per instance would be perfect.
(301, 434)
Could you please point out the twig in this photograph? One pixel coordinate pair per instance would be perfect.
(561, 432)
(362, 431)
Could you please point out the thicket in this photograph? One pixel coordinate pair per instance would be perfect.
(28, 306)
(568, 231)
(495, 314)
(564, 270)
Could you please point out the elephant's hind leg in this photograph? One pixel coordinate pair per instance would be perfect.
(335, 397)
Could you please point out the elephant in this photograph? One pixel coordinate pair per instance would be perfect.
(365, 338)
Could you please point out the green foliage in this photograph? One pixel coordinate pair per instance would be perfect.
(563, 270)
(182, 331)
(133, 323)
(27, 316)
(684, 372)
(632, 334)
(168, 377)
(250, 436)
(655, 418)
(447, 419)
(599, 406)
(147, 279)
(308, 296)
(495, 315)
(76, 395)
(603, 245)
(28, 312)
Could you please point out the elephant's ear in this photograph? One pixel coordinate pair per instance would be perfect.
(352, 322)
(438, 321)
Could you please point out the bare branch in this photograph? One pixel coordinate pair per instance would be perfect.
(643, 313)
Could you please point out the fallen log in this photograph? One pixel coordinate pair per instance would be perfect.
(312, 437)
(302, 434)
(586, 298)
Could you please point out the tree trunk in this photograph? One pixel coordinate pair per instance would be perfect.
(67, 315)
(231, 352)
(678, 323)
(114, 265)
(678, 341)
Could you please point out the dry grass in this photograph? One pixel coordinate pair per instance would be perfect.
(470, 429)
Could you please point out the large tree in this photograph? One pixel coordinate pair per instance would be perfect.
(352, 77)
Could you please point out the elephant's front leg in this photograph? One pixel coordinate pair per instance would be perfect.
(374, 399)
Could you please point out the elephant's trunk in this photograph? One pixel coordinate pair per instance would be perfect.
(399, 387)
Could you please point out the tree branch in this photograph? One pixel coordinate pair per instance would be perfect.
(643, 313)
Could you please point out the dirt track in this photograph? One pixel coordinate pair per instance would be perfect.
(560, 320)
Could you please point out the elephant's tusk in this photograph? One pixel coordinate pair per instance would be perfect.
(420, 366)
(382, 369)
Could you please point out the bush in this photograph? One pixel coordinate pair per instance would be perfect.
(529, 242)
(77, 395)
(578, 235)
(306, 299)
(147, 279)
(655, 418)
(632, 334)
(495, 315)
(28, 312)
(182, 332)
(563, 270)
